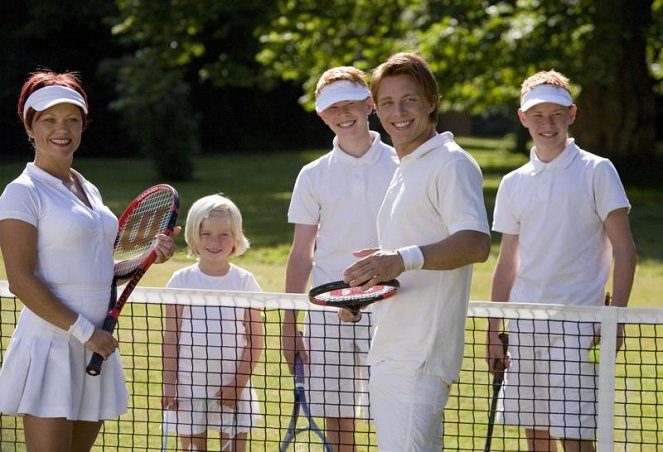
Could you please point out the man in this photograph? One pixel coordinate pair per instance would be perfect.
(432, 227)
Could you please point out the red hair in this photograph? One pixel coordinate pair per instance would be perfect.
(43, 78)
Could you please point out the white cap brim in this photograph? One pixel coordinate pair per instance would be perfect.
(545, 93)
(339, 91)
(48, 96)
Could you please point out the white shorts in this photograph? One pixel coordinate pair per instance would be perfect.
(337, 372)
(551, 384)
(408, 407)
(195, 417)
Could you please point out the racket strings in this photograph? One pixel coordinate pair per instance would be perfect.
(355, 294)
(139, 229)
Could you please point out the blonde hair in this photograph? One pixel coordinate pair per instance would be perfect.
(335, 74)
(551, 77)
(217, 205)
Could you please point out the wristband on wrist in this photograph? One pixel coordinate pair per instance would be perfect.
(413, 258)
(82, 329)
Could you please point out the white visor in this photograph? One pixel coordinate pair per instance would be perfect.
(48, 96)
(340, 91)
(545, 93)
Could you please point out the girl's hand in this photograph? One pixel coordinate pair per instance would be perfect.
(169, 397)
(229, 396)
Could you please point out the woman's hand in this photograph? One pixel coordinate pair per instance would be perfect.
(165, 246)
(102, 342)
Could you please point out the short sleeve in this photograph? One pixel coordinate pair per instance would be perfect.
(460, 197)
(20, 201)
(608, 190)
(304, 206)
(175, 281)
(504, 220)
(251, 284)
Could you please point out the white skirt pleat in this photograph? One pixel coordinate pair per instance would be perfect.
(43, 374)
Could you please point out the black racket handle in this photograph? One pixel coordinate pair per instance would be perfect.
(499, 365)
(94, 366)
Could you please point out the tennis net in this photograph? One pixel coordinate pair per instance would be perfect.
(629, 398)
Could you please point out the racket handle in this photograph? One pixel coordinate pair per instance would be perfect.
(94, 366)
(109, 324)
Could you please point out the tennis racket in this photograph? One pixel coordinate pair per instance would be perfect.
(498, 379)
(340, 295)
(153, 212)
(308, 437)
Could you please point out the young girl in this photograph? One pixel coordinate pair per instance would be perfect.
(210, 352)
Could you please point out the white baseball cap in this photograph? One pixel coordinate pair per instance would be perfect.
(545, 93)
(339, 91)
(48, 96)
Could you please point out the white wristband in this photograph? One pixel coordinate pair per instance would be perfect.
(82, 329)
(413, 258)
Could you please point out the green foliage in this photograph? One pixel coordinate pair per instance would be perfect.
(655, 44)
(174, 40)
(212, 38)
(480, 50)
(305, 39)
(158, 116)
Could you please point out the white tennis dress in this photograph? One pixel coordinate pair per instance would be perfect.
(43, 372)
(211, 344)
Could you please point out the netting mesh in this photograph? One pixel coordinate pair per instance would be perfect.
(629, 386)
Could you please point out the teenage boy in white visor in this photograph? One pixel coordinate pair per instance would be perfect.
(564, 222)
(432, 227)
(334, 205)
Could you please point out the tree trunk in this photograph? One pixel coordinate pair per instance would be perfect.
(616, 108)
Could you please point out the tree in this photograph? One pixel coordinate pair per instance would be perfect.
(618, 106)
(481, 50)
(177, 46)
(45, 34)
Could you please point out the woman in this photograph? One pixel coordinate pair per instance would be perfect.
(56, 237)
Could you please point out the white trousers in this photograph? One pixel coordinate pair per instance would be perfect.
(407, 407)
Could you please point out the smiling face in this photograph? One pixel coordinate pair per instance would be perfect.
(215, 244)
(405, 113)
(548, 124)
(348, 119)
(56, 133)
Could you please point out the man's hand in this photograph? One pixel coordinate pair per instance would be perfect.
(374, 266)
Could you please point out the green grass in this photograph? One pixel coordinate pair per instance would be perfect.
(261, 185)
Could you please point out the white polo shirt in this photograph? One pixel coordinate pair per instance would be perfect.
(557, 209)
(342, 195)
(435, 192)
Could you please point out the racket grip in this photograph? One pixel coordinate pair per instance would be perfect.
(109, 324)
(94, 366)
